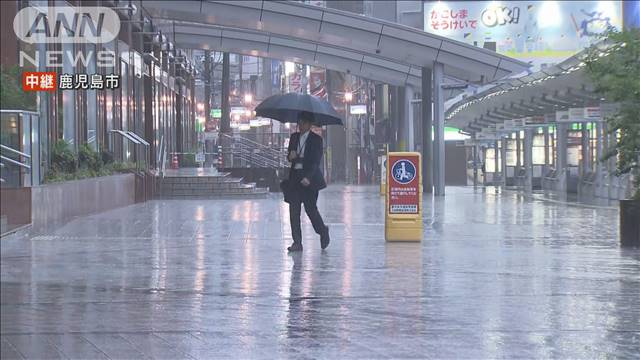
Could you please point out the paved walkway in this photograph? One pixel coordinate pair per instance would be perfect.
(497, 276)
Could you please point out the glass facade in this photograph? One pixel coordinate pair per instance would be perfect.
(90, 116)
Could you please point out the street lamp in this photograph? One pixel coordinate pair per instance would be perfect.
(289, 67)
(248, 98)
(348, 96)
(200, 107)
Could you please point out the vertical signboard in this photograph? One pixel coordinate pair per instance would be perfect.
(403, 213)
(562, 116)
(382, 160)
(592, 114)
(576, 115)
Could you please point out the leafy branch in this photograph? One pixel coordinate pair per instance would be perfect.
(615, 73)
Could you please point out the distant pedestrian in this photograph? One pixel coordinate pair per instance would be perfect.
(306, 180)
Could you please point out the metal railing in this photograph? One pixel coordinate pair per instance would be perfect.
(248, 152)
(5, 160)
(162, 156)
(21, 146)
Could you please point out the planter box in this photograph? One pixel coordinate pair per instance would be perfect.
(15, 208)
(57, 203)
(630, 223)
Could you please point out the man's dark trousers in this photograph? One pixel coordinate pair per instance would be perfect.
(309, 198)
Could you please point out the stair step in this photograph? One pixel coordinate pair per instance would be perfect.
(202, 187)
(199, 180)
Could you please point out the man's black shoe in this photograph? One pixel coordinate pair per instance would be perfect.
(295, 247)
(324, 238)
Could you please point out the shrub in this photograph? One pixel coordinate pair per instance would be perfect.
(121, 167)
(188, 160)
(66, 165)
(89, 158)
(107, 157)
(63, 159)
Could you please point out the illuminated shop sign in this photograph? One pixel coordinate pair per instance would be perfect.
(540, 32)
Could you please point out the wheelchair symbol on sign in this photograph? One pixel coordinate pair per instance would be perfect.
(403, 171)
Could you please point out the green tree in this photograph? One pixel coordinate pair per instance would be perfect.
(615, 73)
(11, 94)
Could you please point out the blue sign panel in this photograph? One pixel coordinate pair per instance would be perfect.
(403, 171)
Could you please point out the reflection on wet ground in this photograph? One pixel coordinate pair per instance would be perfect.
(498, 275)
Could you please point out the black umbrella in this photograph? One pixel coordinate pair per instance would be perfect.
(287, 108)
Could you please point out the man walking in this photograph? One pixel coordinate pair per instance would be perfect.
(306, 179)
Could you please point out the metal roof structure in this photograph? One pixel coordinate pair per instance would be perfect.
(339, 40)
(555, 88)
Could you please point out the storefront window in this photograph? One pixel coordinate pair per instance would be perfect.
(538, 149)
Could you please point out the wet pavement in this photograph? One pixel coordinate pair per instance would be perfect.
(497, 276)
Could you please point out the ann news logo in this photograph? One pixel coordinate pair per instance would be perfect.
(65, 24)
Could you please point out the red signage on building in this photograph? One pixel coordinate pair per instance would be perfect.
(403, 179)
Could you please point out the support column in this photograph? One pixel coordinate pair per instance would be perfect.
(427, 123)
(393, 121)
(586, 153)
(503, 161)
(207, 85)
(496, 163)
(518, 150)
(600, 165)
(546, 150)
(476, 157)
(407, 126)
(438, 107)
(528, 159)
(225, 120)
(611, 166)
(561, 156)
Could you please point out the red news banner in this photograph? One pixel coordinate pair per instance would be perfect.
(39, 81)
(404, 182)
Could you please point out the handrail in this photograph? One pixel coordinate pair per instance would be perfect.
(267, 150)
(253, 156)
(245, 150)
(126, 135)
(4, 158)
(255, 161)
(275, 152)
(162, 157)
(15, 151)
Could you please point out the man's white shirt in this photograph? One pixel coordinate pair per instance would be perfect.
(301, 146)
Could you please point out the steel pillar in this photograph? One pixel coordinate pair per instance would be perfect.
(529, 133)
(427, 135)
(438, 107)
(503, 161)
(496, 163)
(561, 156)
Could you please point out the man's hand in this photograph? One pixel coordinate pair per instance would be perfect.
(305, 182)
(292, 155)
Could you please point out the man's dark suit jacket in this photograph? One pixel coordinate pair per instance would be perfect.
(312, 160)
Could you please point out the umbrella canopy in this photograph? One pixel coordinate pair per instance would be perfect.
(288, 108)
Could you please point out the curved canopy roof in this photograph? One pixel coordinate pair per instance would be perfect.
(345, 41)
(558, 87)
(254, 43)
